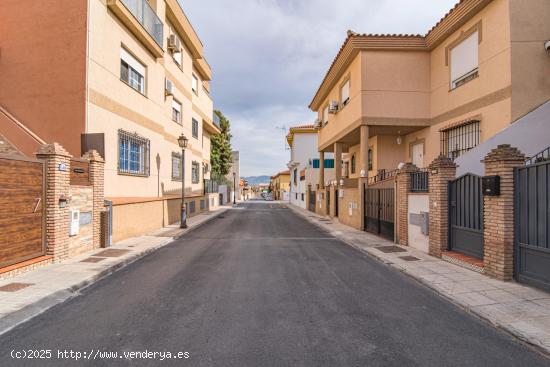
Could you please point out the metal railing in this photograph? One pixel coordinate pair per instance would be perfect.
(382, 175)
(210, 187)
(147, 17)
(419, 181)
(539, 157)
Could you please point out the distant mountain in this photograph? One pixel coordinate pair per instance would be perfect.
(256, 180)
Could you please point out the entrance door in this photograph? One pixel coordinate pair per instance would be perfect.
(379, 212)
(312, 201)
(328, 201)
(21, 210)
(466, 216)
(418, 155)
(532, 224)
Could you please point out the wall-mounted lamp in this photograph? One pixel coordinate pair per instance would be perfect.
(399, 138)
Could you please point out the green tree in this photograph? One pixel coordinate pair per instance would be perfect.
(221, 157)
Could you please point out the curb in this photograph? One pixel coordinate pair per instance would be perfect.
(544, 351)
(16, 318)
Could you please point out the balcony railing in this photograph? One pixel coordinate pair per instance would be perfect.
(216, 120)
(419, 181)
(147, 17)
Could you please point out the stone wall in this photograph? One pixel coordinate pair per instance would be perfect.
(81, 199)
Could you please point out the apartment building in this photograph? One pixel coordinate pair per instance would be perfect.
(280, 186)
(124, 77)
(389, 99)
(304, 164)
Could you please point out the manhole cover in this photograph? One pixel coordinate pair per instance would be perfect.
(409, 258)
(14, 287)
(93, 260)
(390, 249)
(112, 253)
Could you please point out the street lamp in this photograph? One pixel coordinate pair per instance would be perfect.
(182, 142)
(234, 188)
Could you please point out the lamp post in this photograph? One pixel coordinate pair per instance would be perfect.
(234, 188)
(182, 142)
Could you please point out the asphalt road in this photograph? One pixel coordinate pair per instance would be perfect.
(263, 287)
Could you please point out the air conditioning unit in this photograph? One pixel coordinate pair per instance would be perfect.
(333, 107)
(168, 87)
(317, 123)
(174, 44)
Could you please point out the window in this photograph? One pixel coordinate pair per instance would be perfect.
(353, 164)
(329, 163)
(464, 61)
(175, 48)
(344, 93)
(195, 173)
(195, 128)
(296, 196)
(176, 166)
(370, 159)
(458, 140)
(132, 72)
(133, 153)
(302, 197)
(195, 84)
(295, 178)
(176, 111)
(325, 116)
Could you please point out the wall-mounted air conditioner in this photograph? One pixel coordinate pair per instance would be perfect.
(333, 107)
(317, 123)
(174, 44)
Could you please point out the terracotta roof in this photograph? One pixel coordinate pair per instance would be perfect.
(424, 41)
(305, 126)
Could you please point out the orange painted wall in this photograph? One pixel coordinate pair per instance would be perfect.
(43, 67)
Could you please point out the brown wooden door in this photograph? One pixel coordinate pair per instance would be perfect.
(21, 210)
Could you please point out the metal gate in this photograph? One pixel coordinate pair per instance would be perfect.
(532, 224)
(328, 201)
(466, 216)
(380, 212)
(21, 210)
(312, 201)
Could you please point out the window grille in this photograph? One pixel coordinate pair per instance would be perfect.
(195, 175)
(195, 128)
(133, 153)
(458, 140)
(176, 166)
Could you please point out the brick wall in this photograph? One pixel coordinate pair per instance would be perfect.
(442, 170)
(499, 213)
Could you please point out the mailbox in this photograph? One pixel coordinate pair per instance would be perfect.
(491, 185)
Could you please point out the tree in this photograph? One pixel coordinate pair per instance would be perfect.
(221, 154)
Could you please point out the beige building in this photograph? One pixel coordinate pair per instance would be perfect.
(126, 77)
(280, 186)
(388, 99)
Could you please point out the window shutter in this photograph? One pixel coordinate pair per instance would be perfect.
(345, 92)
(464, 57)
(132, 62)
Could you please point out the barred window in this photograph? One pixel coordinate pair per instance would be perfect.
(353, 164)
(176, 166)
(133, 153)
(195, 172)
(458, 140)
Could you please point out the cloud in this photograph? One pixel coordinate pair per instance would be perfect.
(269, 57)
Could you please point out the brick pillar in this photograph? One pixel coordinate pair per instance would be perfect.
(403, 189)
(442, 170)
(58, 164)
(97, 166)
(498, 233)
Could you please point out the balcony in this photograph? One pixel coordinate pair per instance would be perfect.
(142, 21)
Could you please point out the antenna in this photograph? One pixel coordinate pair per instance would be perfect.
(283, 128)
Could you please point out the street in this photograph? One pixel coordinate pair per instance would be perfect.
(261, 286)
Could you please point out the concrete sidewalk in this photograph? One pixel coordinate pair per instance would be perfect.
(26, 295)
(513, 307)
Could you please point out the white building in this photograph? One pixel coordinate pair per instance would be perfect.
(235, 169)
(304, 163)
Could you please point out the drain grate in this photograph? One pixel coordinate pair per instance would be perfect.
(14, 287)
(93, 260)
(409, 258)
(112, 253)
(390, 249)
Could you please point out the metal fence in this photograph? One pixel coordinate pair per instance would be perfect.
(210, 187)
(382, 175)
(539, 157)
(419, 181)
(147, 17)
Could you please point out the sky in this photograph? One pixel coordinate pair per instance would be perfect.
(270, 56)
